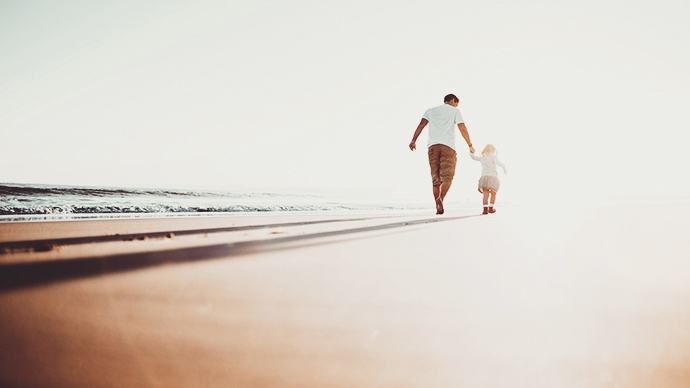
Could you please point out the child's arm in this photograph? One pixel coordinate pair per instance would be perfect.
(498, 163)
(474, 157)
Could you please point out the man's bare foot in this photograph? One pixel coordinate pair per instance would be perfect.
(439, 206)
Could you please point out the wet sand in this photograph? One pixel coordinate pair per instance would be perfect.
(549, 297)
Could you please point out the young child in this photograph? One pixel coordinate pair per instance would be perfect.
(488, 183)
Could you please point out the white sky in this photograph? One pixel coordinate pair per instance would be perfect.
(581, 98)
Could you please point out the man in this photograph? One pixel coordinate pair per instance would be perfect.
(442, 154)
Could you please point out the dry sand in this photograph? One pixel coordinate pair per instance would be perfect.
(548, 297)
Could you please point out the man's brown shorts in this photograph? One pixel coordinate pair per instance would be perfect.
(442, 160)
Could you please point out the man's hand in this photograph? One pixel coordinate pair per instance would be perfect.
(422, 124)
(471, 149)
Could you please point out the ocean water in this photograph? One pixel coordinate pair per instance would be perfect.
(21, 202)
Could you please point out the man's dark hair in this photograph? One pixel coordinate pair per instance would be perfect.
(450, 97)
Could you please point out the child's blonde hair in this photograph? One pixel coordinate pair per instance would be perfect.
(489, 150)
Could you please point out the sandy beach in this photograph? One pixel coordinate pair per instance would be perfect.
(527, 297)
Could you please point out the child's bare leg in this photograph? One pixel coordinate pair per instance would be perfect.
(485, 201)
(493, 200)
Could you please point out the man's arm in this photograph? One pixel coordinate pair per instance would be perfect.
(422, 124)
(465, 135)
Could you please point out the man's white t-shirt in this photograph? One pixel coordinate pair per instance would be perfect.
(443, 122)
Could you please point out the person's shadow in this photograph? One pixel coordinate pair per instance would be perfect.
(21, 275)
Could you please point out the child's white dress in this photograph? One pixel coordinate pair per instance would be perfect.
(489, 179)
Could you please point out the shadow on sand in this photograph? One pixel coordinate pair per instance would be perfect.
(15, 276)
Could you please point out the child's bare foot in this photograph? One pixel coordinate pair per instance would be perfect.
(439, 205)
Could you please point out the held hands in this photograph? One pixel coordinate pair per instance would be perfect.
(471, 149)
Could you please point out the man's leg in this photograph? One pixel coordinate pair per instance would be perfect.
(440, 192)
(447, 171)
(443, 189)
(437, 199)
(435, 164)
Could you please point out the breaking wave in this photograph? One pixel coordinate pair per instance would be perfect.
(21, 199)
